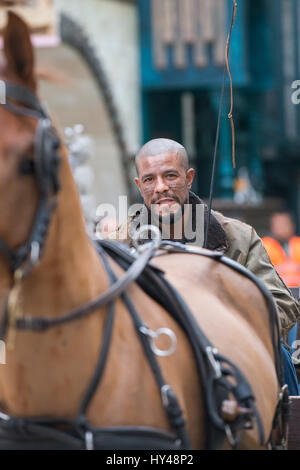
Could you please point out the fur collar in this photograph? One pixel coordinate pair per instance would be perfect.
(217, 239)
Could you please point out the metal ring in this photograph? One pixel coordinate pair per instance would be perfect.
(146, 228)
(153, 335)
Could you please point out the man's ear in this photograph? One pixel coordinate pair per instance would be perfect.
(137, 182)
(190, 177)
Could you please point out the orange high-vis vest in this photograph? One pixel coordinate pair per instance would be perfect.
(288, 266)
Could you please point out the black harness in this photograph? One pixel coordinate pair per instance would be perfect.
(218, 376)
(20, 100)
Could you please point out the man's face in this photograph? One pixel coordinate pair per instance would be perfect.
(164, 184)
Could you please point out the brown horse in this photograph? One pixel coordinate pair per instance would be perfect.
(47, 373)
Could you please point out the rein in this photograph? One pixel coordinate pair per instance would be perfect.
(117, 289)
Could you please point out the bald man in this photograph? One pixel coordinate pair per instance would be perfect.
(164, 180)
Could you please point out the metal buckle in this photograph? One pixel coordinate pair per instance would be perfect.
(89, 440)
(215, 364)
(4, 417)
(164, 395)
(232, 441)
(284, 443)
(138, 235)
(282, 391)
(153, 335)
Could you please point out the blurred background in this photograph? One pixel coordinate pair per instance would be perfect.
(116, 73)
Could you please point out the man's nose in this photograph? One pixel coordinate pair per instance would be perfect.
(161, 186)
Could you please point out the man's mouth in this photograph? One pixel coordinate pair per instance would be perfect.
(166, 201)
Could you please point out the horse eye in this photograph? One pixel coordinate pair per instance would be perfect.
(27, 167)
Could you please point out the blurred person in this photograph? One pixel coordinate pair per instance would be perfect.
(164, 180)
(283, 247)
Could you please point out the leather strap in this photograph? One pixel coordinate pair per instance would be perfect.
(114, 291)
(22, 101)
(24, 96)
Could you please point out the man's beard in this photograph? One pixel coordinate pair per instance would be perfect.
(169, 217)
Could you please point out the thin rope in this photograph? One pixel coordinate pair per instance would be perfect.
(226, 68)
(231, 90)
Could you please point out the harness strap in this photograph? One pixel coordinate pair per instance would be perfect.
(30, 106)
(8, 252)
(106, 341)
(242, 391)
(155, 286)
(44, 436)
(210, 364)
(273, 317)
(175, 247)
(43, 323)
(37, 236)
(203, 349)
(25, 96)
(170, 402)
(280, 421)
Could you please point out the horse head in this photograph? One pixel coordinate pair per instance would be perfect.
(18, 186)
(32, 158)
(39, 214)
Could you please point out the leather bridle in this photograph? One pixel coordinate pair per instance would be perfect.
(20, 100)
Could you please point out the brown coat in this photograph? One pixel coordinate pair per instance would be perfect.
(241, 243)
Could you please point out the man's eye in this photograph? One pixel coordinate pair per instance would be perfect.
(171, 176)
(147, 180)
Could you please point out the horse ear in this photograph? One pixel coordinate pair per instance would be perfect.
(18, 50)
